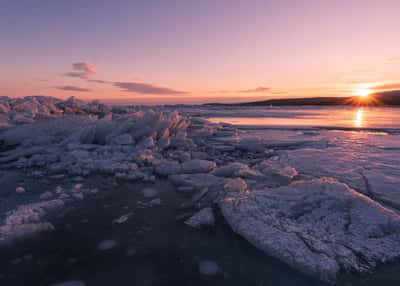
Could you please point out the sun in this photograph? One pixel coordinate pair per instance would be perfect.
(363, 92)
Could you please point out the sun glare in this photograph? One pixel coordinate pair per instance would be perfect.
(359, 118)
(363, 92)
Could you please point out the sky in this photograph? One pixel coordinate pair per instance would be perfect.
(190, 51)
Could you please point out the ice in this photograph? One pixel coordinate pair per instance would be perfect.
(27, 220)
(124, 139)
(84, 144)
(46, 196)
(32, 108)
(166, 168)
(235, 169)
(251, 144)
(106, 245)
(198, 166)
(197, 181)
(208, 268)
(323, 201)
(149, 192)
(278, 173)
(20, 190)
(130, 251)
(44, 131)
(151, 203)
(204, 217)
(383, 185)
(70, 283)
(320, 227)
(122, 219)
(30, 219)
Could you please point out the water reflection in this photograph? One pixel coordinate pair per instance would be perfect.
(347, 117)
(359, 119)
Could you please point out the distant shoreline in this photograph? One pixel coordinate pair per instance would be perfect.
(391, 98)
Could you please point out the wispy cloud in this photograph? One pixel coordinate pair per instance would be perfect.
(73, 88)
(85, 71)
(81, 75)
(99, 81)
(260, 89)
(279, 92)
(144, 88)
(389, 86)
(394, 60)
(41, 79)
(82, 70)
(84, 67)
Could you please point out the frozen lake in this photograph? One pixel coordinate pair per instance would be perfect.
(291, 196)
(340, 117)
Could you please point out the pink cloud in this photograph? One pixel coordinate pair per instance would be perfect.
(145, 88)
(84, 67)
(389, 86)
(73, 88)
(260, 89)
(82, 70)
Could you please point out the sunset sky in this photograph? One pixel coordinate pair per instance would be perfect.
(197, 51)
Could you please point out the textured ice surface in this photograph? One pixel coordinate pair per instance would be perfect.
(230, 170)
(27, 220)
(320, 227)
(198, 166)
(323, 201)
(204, 217)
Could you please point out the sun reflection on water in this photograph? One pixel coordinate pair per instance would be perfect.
(359, 119)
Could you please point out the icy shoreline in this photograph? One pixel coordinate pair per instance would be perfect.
(324, 202)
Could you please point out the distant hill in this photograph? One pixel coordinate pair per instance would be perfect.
(389, 98)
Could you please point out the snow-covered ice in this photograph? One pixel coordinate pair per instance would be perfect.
(320, 227)
(27, 220)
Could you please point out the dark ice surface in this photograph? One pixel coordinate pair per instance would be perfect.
(152, 247)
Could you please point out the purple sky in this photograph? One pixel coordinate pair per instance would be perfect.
(195, 51)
